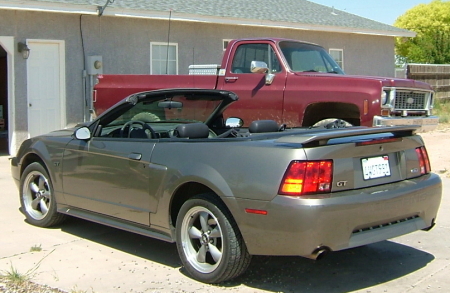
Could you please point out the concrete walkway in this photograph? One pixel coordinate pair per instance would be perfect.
(86, 257)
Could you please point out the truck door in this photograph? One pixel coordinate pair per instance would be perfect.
(257, 101)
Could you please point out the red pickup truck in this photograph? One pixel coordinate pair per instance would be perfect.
(295, 83)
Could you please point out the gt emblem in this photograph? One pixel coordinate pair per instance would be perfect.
(341, 183)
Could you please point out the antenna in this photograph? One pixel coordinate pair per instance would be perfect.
(100, 9)
(168, 42)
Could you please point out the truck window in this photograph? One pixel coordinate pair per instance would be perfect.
(302, 57)
(247, 53)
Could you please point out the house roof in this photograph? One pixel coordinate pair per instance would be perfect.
(294, 14)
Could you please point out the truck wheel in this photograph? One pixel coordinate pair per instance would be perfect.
(146, 117)
(209, 242)
(332, 123)
(37, 198)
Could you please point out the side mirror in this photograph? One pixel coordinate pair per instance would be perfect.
(261, 67)
(258, 67)
(234, 122)
(83, 133)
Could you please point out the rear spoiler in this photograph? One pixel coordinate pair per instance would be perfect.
(321, 137)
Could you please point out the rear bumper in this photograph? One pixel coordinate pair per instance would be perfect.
(298, 226)
(426, 123)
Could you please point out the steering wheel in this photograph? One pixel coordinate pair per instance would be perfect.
(138, 122)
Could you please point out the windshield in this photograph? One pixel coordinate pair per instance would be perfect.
(303, 57)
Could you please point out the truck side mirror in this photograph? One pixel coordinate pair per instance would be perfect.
(258, 67)
(261, 67)
(234, 122)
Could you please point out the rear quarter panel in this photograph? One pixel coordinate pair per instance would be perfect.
(247, 169)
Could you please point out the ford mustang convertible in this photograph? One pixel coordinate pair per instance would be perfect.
(166, 164)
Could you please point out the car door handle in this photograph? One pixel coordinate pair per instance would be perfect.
(135, 156)
(231, 78)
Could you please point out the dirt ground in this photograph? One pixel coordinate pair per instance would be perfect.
(437, 143)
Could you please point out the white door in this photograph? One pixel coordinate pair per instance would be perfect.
(45, 86)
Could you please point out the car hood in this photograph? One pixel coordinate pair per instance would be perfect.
(385, 81)
(66, 132)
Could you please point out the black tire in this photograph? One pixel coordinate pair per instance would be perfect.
(37, 198)
(332, 123)
(209, 242)
(146, 117)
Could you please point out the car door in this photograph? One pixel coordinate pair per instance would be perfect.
(257, 100)
(110, 176)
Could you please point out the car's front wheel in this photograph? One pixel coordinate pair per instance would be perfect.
(209, 242)
(36, 197)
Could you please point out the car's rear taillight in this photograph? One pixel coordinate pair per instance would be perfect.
(307, 177)
(424, 161)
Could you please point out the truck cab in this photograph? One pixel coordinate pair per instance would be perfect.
(299, 84)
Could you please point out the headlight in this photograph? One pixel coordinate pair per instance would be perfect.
(384, 97)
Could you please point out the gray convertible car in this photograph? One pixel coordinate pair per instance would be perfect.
(166, 164)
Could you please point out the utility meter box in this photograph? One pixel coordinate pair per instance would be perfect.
(94, 65)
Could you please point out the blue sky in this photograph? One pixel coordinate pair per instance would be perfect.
(385, 11)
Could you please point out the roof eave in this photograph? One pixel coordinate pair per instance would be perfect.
(49, 7)
(164, 15)
(253, 22)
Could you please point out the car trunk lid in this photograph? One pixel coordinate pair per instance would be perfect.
(364, 157)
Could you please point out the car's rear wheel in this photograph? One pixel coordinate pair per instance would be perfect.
(209, 242)
(36, 197)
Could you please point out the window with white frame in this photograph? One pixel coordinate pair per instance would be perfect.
(338, 56)
(163, 58)
(225, 43)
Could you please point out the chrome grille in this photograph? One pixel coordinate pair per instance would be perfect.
(409, 101)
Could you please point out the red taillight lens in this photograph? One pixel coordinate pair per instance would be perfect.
(307, 177)
(424, 161)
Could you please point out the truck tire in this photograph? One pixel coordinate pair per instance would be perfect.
(332, 123)
(146, 117)
(209, 242)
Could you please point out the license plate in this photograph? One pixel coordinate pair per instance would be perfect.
(376, 167)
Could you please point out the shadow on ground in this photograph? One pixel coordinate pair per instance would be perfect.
(342, 271)
(141, 246)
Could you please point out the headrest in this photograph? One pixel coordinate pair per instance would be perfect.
(260, 126)
(192, 130)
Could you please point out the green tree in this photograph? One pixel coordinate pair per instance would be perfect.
(431, 22)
